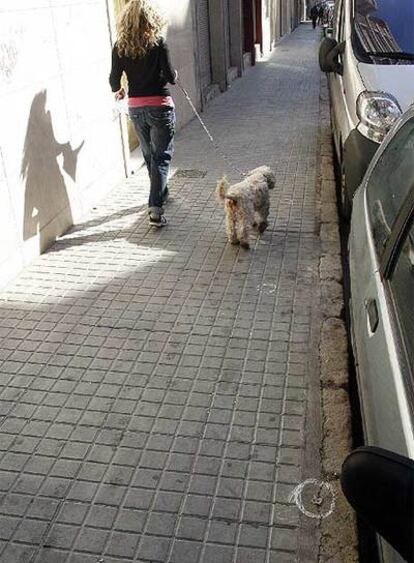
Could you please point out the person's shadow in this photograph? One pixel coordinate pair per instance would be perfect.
(47, 209)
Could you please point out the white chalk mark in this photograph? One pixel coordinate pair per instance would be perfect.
(268, 288)
(323, 493)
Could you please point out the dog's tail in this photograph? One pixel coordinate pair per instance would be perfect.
(222, 187)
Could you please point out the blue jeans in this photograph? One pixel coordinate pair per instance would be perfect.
(155, 128)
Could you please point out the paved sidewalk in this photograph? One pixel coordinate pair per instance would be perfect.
(155, 384)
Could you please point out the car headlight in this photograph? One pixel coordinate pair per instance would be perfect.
(377, 112)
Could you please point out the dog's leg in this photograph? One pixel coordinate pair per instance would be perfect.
(262, 226)
(244, 222)
(231, 225)
(263, 215)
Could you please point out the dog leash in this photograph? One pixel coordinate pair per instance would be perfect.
(223, 155)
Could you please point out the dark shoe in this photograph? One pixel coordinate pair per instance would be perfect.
(157, 220)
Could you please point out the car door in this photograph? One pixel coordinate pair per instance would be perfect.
(381, 246)
(397, 269)
(381, 340)
(339, 110)
(335, 80)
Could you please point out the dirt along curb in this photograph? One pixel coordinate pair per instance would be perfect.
(339, 543)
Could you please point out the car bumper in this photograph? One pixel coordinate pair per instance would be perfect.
(358, 152)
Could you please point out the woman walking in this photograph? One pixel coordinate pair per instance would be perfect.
(143, 55)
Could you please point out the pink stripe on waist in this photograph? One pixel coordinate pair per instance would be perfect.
(141, 101)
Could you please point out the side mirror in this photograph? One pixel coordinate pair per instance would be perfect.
(379, 485)
(328, 55)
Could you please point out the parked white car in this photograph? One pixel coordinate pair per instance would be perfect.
(381, 263)
(370, 61)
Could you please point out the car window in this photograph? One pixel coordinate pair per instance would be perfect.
(338, 19)
(341, 35)
(389, 183)
(401, 285)
(385, 26)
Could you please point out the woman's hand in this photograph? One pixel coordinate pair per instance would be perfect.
(120, 95)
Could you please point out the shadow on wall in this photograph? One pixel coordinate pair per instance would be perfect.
(47, 211)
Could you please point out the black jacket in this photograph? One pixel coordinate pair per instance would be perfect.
(314, 13)
(147, 75)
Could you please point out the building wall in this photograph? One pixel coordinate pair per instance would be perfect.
(182, 42)
(60, 143)
(279, 17)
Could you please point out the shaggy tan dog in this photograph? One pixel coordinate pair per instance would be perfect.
(246, 204)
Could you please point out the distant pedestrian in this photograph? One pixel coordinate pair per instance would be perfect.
(321, 14)
(141, 52)
(314, 13)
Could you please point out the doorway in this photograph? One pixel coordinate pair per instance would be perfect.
(258, 25)
(249, 25)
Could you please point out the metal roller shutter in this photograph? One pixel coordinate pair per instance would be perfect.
(228, 31)
(203, 24)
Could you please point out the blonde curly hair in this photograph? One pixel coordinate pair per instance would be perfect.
(139, 28)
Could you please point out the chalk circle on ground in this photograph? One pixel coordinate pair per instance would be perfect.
(315, 499)
(267, 288)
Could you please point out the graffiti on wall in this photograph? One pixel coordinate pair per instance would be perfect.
(9, 53)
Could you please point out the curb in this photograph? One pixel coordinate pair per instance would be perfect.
(339, 540)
